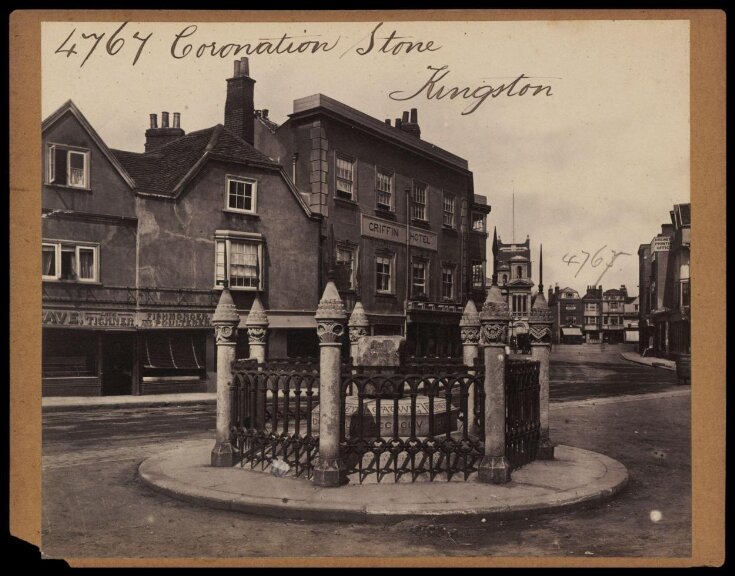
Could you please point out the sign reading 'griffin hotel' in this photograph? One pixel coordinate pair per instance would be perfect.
(386, 230)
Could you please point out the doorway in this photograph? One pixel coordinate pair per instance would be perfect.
(117, 363)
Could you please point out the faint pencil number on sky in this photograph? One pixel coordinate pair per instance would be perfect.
(84, 44)
(597, 259)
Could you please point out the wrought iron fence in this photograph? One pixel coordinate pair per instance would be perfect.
(413, 425)
(273, 414)
(522, 412)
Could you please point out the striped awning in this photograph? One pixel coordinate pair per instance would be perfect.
(174, 351)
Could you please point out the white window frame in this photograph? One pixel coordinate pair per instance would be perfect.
(483, 226)
(378, 191)
(342, 194)
(58, 246)
(229, 178)
(227, 237)
(448, 268)
(480, 263)
(451, 213)
(51, 165)
(391, 275)
(422, 214)
(425, 265)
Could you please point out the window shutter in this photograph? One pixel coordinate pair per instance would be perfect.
(51, 164)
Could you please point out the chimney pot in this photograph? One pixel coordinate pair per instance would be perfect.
(164, 119)
(414, 116)
(244, 66)
(237, 69)
(405, 117)
(398, 122)
(265, 112)
(154, 120)
(387, 121)
(177, 119)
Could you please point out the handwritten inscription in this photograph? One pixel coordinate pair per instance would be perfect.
(433, 90)
(89, 41)
(597, 260)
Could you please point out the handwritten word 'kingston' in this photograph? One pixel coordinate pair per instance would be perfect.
(479, 94)
(285, 44)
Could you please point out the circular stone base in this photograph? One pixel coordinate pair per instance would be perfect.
(371, 428)
(575, 477)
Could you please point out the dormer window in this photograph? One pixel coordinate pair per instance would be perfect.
(241, 195)
(67, 166)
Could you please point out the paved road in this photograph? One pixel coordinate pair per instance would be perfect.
(595, 371)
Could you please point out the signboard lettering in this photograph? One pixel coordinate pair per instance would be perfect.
(385, 230)
(88, 319)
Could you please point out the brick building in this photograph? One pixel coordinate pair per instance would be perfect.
(613, 312)
(567, 310)
(136, 247)
(401, 224)
(665, 309)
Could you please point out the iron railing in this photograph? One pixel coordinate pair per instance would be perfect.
(411, 425)
(272, 414)
(522, 411)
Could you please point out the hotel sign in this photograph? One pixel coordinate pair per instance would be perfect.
(387, 230)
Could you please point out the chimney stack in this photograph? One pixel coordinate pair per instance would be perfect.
(240, 104)
(156, 137)
(411, 123)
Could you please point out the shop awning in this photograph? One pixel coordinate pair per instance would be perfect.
(179, 351)
(571, 331)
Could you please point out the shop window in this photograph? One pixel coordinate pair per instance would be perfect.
(244, 260)
(345, 177)
(241, 194)
(69, 262)
(67, 166)
(383, 189)
(418, 202)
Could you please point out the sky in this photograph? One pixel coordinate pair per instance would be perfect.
(593, 169)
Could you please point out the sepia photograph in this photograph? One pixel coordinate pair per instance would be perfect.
(411, 289)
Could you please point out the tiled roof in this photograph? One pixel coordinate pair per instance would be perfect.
(162, 170)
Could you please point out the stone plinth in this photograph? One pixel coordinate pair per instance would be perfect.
(379, 351)
(443, 420)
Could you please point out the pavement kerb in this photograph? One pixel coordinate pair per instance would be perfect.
(126, 402)
(653, 363)
(161, 475)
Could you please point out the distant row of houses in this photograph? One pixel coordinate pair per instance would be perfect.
(600, 316)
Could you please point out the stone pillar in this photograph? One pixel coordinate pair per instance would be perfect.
(358, 326)
(494, 320)
(539, 323)
(330, 318)
(469, 327)
(225, 321)
(257, 325)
